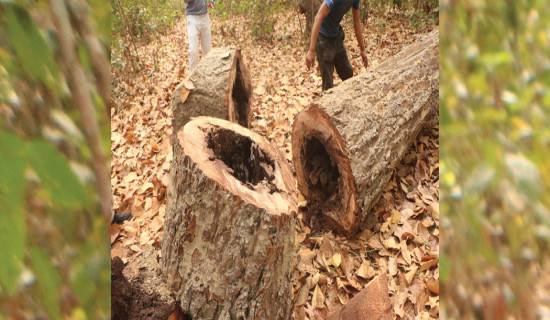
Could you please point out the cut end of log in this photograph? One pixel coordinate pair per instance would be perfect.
(323, 170)
(228, 243)
(373, 302)
(220, 86)
(240, 89)
(365, 125)
(241, 161)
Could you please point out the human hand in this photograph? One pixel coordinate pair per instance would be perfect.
(210, 5)
(364, 57)
(310, 59)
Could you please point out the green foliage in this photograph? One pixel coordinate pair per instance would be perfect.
(418, 12)
(144, 20)
(62, 186)
(50, 228)
(262, 17)
(494, 121)
(137, 22)
(12, 220)
(31, 51)
(50, 284)
(261, 13)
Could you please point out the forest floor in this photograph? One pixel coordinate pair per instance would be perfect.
(402, 239)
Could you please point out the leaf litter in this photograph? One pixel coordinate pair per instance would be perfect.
(402, 238)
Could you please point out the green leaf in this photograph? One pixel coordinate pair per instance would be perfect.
(29, 45)
(12, 220)
(85, 274)
(48, 280)
(444, 267)
(58, 180)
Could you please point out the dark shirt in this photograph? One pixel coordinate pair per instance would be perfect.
(330, 27)
(196, 7)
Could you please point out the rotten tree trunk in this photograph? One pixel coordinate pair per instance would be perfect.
(220, 86)
(346, 145)
(228, 240)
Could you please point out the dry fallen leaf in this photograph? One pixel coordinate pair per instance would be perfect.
(336, 260)
(433, 286)
(115, 232)
(392, 266)
(186, 89)
(428, 264)
(363, 270)
(410, 275)
(146, 186)
(318, 300)
(302, 296)
(391, 243)
(399, 303)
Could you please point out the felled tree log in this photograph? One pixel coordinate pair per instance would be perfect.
(228, 240)
(345, 146)
(220, 86)
(372, 303)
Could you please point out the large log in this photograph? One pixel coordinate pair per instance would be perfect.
(220, 86)
(228, 240)
(372, 303)
(345, 146)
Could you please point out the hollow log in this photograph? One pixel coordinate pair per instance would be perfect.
(228, 240)
(346, 145)
(220, 86)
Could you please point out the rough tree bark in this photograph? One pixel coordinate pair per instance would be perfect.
(309, 9)
(220, 86)
(346, 145)
(228, 240)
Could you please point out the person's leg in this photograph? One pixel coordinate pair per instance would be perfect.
(324, 49)
(206, 42)
(193, 35)
(341, 61)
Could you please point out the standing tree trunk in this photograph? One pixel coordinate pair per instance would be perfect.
(228, 239)
(346, 146)
(308, 8)
(220, 86)
(364, 9)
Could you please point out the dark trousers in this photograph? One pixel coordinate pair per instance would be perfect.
(331, 53)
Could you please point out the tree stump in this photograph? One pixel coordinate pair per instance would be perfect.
(228, 239)
(345, 146)
(220, 86)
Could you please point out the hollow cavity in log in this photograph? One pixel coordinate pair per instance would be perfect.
(365, 125)
(323, 170)
(245, 158)
(228, 243)
(240, 95)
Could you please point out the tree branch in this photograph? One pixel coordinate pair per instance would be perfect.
(81, 97)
